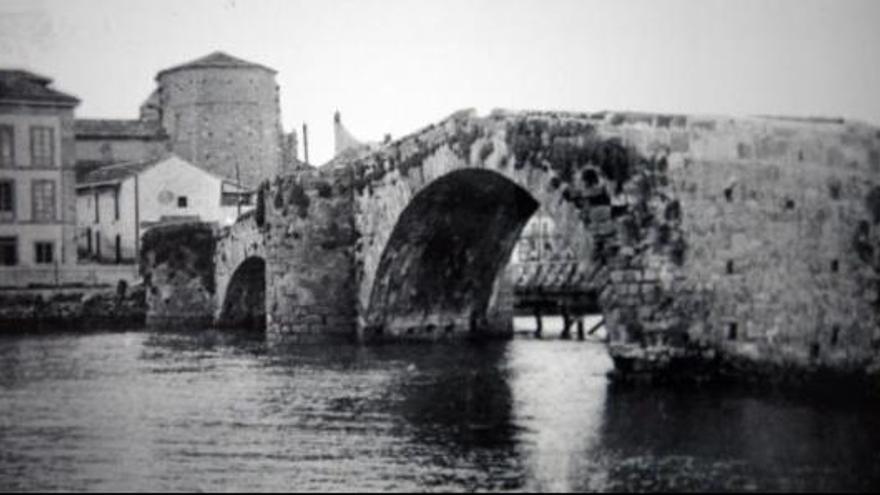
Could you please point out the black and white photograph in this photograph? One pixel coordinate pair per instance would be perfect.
(440, 246)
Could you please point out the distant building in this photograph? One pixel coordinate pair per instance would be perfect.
(218, 112)
(117, 203)
(101, 142)
(540, 243)
(37, 199)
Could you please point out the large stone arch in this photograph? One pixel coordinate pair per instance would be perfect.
(613, 200)
(441, 267)
(236, 245)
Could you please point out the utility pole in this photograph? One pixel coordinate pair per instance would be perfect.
(305, 143)
(137, 219)
(238, 192)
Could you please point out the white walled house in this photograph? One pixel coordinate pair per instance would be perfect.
(116, 204)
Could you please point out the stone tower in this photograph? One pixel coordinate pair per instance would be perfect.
(222, 114)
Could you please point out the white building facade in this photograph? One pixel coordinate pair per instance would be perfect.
(116, 204)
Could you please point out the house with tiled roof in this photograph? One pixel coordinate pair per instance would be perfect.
(117, 203)
(37, 199)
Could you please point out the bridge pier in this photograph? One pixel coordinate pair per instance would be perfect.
(566, 324)
(539, 327)
(177, 262)
(310, 268)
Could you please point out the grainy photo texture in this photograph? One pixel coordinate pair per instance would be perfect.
(482, 245)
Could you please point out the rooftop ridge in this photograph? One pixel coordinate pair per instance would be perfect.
(216, 59)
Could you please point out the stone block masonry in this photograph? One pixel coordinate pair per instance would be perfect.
(309, 236)
(749, 242)
(224, 119)
(749, 239)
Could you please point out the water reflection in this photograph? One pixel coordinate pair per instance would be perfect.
(711, 439)
(224, 411)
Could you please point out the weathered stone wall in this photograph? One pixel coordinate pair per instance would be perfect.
(779, 225)
(754, 238)
(226, 120)
(177, 263)
(307, 223)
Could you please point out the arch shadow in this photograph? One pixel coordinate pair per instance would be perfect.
(245, 303)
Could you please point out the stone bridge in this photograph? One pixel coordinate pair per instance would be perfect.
(755, 239)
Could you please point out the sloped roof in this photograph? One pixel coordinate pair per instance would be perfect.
(84, 166)
(216, 60)
(116, 173)
(22, 85)
(118, 128)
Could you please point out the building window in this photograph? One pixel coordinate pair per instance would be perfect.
(7, 146)
(44, 252)
(728, 194)
(8, 251)
(181, 201)
(97, 208)
(42, 146)
(43, 200)
(732, 331)
(118, 249)
(98, 244)
(7, 200)
(116, 203)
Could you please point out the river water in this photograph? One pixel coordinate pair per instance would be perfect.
(224, 411)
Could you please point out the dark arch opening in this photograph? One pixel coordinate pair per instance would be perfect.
(245, 303)
(438, 269)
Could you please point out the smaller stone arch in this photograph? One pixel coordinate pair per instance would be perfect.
(240, 259)
(244, 304)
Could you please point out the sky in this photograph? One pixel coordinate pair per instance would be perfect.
(392, 66)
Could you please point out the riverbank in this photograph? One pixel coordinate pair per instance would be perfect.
(71, 308)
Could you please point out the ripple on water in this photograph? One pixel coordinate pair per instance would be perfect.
(224, 411)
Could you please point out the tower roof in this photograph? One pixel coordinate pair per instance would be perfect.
(22, 85)
(218, 60)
